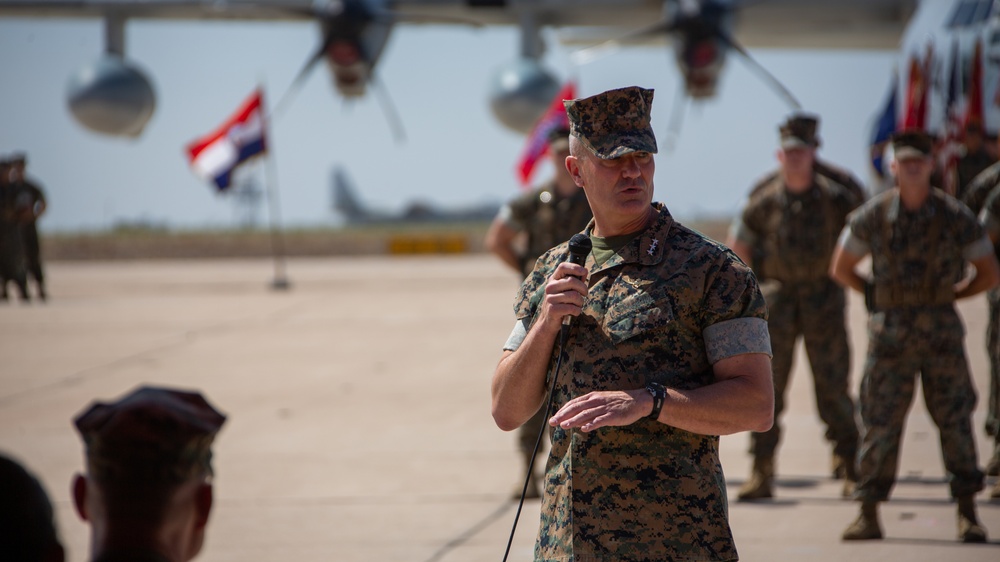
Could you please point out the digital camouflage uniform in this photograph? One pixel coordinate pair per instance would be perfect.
(982, 198)
(29, 198)
(990, 219)
(968, 167)
(978, 190)
(796, 234)
(548, 220)
(665, 308)
(917, 258)
(12, 259)
(833, 173)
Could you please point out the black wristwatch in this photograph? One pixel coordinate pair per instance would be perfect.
(659, 396)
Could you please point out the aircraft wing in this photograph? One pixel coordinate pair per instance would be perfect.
(162, 9)
(817, 24)
(855, 24)
(843, 24)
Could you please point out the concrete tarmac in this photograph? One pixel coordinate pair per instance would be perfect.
(359, 414)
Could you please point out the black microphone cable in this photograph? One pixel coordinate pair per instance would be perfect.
(545, 422)
(579, 247)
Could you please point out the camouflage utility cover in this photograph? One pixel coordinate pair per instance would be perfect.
(665, 308)
(613, 123)
(799, 131)
(152, 434)
(912, 143)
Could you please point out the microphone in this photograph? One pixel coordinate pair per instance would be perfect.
(579, 247)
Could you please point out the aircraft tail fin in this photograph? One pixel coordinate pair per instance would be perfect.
(344, 199)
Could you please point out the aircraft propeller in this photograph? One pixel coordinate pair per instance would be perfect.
(354, 35)
(702, 34)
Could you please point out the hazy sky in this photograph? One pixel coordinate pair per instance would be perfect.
(455, 155)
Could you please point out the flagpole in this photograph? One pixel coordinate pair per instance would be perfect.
(280, 281)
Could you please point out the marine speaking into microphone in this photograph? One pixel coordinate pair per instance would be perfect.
(674, 353)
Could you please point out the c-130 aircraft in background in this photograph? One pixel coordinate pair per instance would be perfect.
(113, 97)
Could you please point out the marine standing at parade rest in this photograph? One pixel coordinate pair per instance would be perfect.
(975, 196)
(147, 490)
(524, 229)
(667, 349)
(789, 229)
(920, 240)
(29, 206)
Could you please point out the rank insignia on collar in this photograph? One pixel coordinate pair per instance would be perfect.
(652, 246)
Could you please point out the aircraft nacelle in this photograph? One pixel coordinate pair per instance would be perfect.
(700, 42)
(700, 61)
(520, 92)
(111, 97)
(348, 66)
(353, 39)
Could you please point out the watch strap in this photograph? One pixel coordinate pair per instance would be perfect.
(659, 394)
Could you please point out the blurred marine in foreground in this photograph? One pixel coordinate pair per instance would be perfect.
(147, 490)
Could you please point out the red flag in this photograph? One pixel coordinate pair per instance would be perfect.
(915, 110)
(537, 145)
(215, 155)
(951, 148)
(974, 106)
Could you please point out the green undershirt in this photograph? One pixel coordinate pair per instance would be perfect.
(604, 248)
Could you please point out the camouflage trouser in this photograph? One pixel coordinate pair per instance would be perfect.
(12, 266)
(32, 252)
(816, 311)
(903, 342)
(993, 350)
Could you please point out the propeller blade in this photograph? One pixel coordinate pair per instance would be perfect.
(300, 78)
(762, 72)
(389, 109)
(676, 122)
(590, 54)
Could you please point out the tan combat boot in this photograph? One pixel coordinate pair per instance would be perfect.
(838, 466)
(969, 529)
(844, 467)
(761, 481)
(866, 527)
